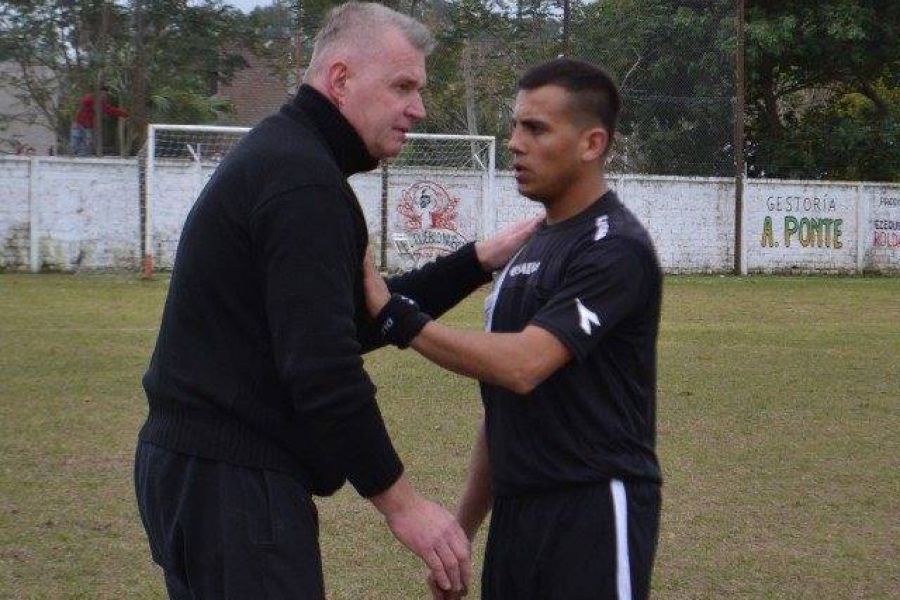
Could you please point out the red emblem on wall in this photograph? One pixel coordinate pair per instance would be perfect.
(427, 205)
(428, 214)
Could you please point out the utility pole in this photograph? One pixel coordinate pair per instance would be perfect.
(739, 110)
(98, 85)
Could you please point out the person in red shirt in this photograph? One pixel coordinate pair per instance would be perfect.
(81, 135)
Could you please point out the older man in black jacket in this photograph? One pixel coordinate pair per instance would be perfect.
(258, 396)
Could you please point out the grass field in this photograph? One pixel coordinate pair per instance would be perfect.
(779, 434)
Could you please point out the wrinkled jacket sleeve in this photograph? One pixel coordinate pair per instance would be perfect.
(306, 249)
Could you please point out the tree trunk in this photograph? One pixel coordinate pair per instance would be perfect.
(469, 81)
(770, 102)
(138, 125)
(881, 108)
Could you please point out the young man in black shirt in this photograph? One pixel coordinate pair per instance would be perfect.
(565, 458)
(258, 397)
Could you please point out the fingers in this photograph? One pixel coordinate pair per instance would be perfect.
(374, 287)
(436, 564)
(454, 550)
(518, 233)
(438, 594)
(369, 261)
(451, 562)
(461, 547)
(435, 536)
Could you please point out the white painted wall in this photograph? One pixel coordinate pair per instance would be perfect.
(882, 226)
(14, 219)
(690, 220)
(792, 225)
(83, 213)
(87, 216)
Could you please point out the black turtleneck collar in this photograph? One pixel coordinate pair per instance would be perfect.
(346, 145)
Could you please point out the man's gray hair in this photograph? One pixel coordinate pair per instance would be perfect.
(361, 24)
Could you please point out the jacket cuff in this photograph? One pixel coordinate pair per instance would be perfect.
(468, 268)
(372, 465)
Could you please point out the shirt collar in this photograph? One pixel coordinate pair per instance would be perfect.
(346, 145)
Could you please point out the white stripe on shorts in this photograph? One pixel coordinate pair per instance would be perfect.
(620, 511)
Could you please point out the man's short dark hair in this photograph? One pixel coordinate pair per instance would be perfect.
(595, 95)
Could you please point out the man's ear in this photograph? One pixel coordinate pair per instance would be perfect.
(595, 143)
(336, 82)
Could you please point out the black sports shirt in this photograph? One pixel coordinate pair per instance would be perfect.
(595, 283)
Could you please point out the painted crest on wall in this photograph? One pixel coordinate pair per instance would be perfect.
(428, 215)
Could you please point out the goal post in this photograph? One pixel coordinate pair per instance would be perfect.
(176, 162)
(437, 194)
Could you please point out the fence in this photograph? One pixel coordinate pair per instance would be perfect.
(83, 214)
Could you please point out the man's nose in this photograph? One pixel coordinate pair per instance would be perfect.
(513, 144)
(416, 109)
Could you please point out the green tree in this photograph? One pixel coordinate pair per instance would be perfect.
(673, 60)
(470, 74)
(175, 56)
(161, 58)
(824, 89)
(55, 46)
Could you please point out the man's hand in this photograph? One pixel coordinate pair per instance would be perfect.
(434, 535)
(438, 594)
(377, 293)
(495, 252)
(430, 532)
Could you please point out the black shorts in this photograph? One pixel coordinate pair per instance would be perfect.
(223, 531)
(592, 542)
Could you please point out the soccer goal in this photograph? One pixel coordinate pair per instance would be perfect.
(435, 196)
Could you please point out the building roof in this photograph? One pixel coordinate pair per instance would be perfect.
(255, 91)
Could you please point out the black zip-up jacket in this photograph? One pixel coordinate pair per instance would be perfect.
(257, 362)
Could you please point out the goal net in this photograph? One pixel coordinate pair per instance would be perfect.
(435, 196)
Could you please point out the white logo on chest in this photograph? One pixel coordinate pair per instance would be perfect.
(586, 317)
(602, 224)
(526, 268)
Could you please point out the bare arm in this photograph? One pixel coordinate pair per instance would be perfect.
(474, 505)
(517, 361)
(476, 499)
